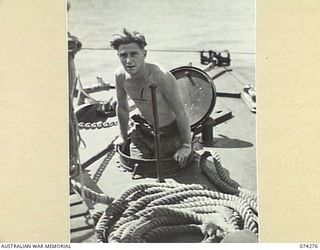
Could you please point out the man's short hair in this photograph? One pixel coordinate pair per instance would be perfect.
(128, 37)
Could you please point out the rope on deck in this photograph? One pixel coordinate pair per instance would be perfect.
(152, 212)
(89, 194)
(219, 177)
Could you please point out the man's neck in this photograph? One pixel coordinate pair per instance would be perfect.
(141, 76)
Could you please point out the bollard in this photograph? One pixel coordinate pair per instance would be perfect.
(207, 131)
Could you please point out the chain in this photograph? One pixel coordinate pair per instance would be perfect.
(97, 125)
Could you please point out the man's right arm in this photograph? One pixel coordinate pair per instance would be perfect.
(122, 108)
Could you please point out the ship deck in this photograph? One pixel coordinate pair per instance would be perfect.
(234, 140)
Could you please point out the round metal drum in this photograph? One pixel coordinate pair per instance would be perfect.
(148, 167)
(197, 92)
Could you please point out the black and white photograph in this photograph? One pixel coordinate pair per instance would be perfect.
(162, 121)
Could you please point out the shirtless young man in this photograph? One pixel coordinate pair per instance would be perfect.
(133, 79)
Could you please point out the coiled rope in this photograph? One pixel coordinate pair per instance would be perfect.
(89, 194)
(219, 177)
(150, 212)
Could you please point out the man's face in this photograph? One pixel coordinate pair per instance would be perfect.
(131, 57)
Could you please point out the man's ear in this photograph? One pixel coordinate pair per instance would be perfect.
(144, 53)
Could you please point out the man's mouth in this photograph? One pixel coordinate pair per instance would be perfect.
(130, 66)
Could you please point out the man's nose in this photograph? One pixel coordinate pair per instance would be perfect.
(129, 59)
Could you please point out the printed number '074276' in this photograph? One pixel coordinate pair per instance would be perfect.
(309, 246)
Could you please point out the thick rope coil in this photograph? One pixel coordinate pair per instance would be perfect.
(208, 211)
(89, 194)
(144, 226)
(101, 227)
(125, 230)
(199, 205)
(129, 217)
(224, 183)
(127, 220)
(213, 220)
(180, 217)
(247, 193)
(142, 187)
(96, 216)
(215, 179)
(217, 175)
(207, 207)
(176, 213)
(148, 191)
(156, 222)
(136, 195)
(144, 201)
(143, 212)
(124, 234)
(222, 173)
(198, 201)
(177, 197)
(163, 232)
(115, 209)
(119, 205)
(252, 203)
(141, 203)
(240, 206)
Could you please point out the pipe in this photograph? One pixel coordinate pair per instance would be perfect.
(156, 131)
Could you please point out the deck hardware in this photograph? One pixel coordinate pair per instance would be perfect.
(136, 165)
(96, 157)
(219, 59)
(207, 131)
(187, 74)
(156, 131)
(87, 125)
(248, 95)
(135, 172)
(226, 94)
(221, 73)
(207, 125)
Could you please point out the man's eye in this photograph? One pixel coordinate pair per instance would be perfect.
(122, 55)
(134, 54)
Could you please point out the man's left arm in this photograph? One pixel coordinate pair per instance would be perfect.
(169, 88)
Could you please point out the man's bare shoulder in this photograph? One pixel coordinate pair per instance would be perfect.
(157, 68)
(120, 75)
(160, 74)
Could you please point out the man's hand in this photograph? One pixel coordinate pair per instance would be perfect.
(120, 143)
(182, 155)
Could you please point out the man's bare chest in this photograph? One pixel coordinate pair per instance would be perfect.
(138, 93)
